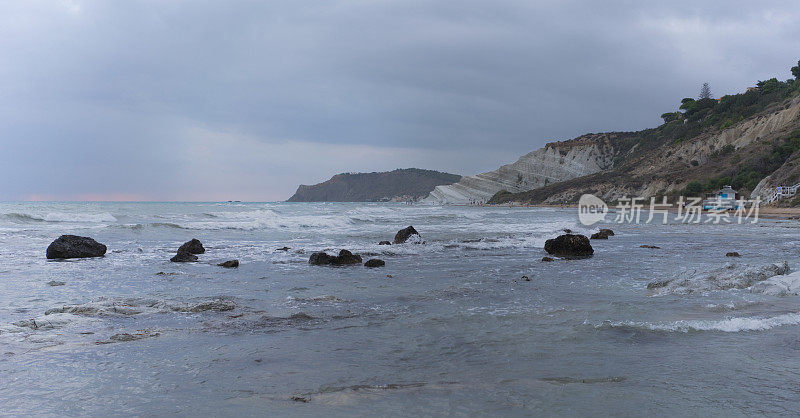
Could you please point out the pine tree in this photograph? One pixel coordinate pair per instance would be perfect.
(705, 91)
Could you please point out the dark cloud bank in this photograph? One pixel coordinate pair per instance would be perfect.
(245, 100)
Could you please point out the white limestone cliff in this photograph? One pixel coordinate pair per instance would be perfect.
(557, 161)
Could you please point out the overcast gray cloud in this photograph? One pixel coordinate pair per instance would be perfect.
(245, 100)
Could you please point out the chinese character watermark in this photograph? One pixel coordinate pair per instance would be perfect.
(592, 209)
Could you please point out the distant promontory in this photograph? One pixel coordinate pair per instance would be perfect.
(397, 185)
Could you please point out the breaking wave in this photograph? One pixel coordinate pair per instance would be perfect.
(23, 217)
(735, 324)
(62, 217)
(261, 219)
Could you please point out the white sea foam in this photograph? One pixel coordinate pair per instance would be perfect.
(784, 285)
(730, 276)
(79, 217)
(264, 219)
(734, 324)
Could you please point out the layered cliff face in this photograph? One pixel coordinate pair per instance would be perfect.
(655, 164)
(397, 185)
(556, 162)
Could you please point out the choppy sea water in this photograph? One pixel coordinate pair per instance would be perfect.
(454, 330)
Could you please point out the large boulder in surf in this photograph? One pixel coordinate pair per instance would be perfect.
(569, 245)
(375, 262)
(194, 246)
(320, 259)
(73, 246)
(183, 257)
(404, 234)
(344, 258)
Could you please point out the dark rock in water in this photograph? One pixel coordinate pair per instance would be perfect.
(229, 264)
(385, 243)
(526, 278)
(547, 259)
(569, 245)
(72, 246)
(125, 337)
(300, 316)
(603, 234)
(374, 263)
(733, 254)
(283, 249)
(194, 246)
(567, 230)
(658, 284)
(300, 399)
(655, 247)
(183, 258)
(320, 259)
(344, 257)
(217, 305)
(404, 234)
(55, 283)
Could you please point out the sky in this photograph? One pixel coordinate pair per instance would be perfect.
(245, 100)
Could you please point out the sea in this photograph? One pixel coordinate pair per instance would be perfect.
(465, 321)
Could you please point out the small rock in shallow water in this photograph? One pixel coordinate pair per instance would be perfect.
(384, 243)
(300, 399)
(214, 305)
(301, 316)
(603, 234)
(655, 247)
(526, 278)
(546, 259)
(229, 264)
(404, 234)
(55, 283)
(658, 284)
(73, 246)
(733, 254)
(193, 246)
(374, 263)
(283, 249)
(125, 337)
(590, 381)
(183, 258)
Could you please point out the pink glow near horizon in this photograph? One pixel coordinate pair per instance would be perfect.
(135, 197)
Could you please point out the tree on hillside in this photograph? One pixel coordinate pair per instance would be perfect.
(796, 71)
(671, 116)
(705, 91)
(687, 103)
